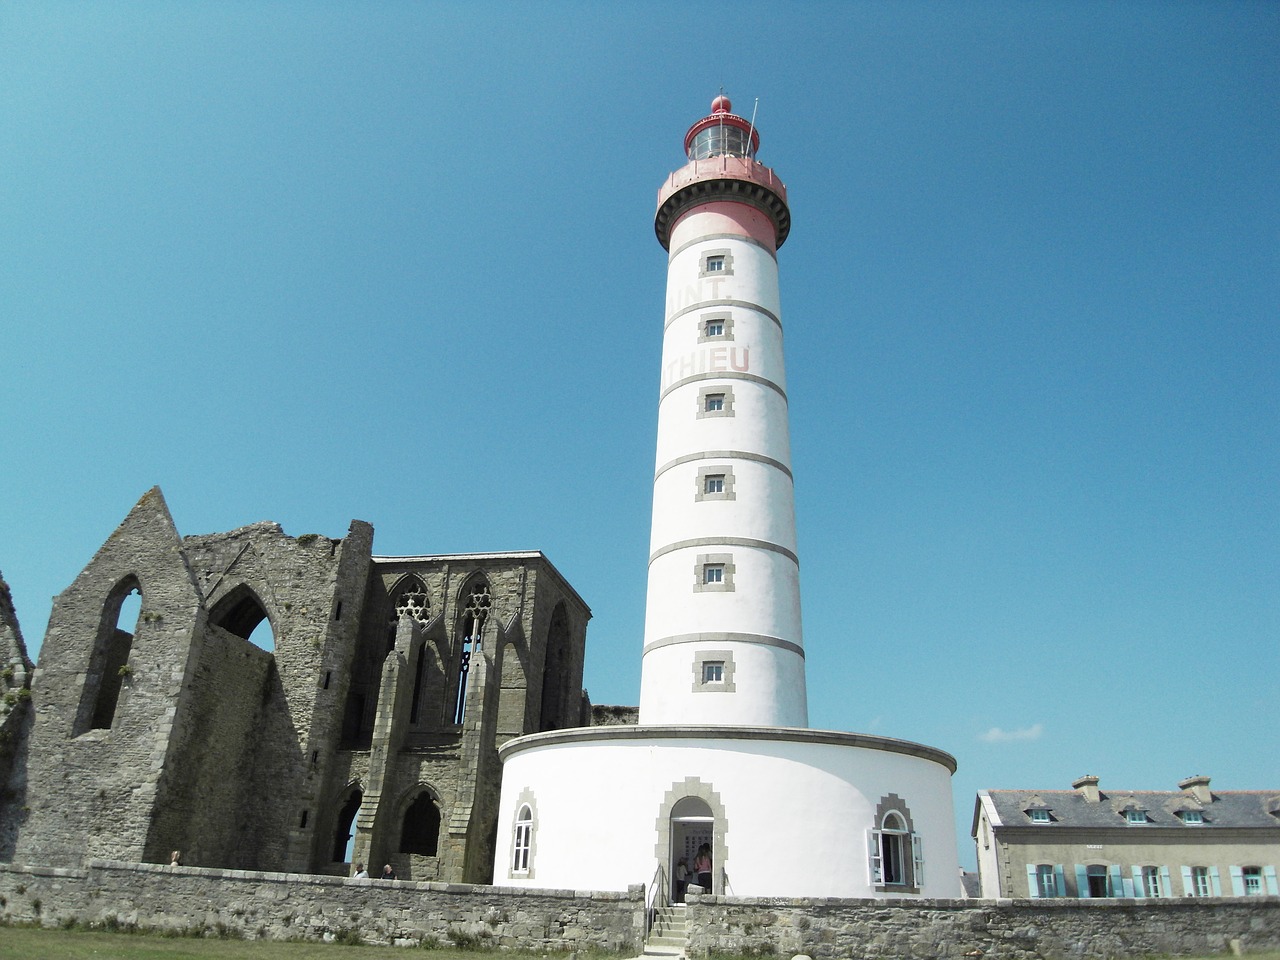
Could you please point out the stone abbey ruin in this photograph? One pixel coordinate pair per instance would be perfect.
(375, 714)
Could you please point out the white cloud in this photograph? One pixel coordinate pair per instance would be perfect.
(996, 735)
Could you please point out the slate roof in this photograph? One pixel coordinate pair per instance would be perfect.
(1069, 808)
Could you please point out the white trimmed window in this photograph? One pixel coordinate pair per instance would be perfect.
(1252, 877)
(713, 573)
(895, 851)
(713, 483)
(713, 402)
(522, 841)
(713, 671)
(1136, 816)
(1039, 816)
(1047, 880)
(1193, 818)
(1151, 884)
(1199, 882)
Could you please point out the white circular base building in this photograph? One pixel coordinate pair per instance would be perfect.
(787, 812)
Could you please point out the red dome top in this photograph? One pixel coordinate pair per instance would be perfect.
(721, 104)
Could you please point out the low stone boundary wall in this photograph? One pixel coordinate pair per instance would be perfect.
(281, 906)
(987, 929)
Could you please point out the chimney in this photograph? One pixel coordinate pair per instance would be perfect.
(1198, 787)
(1088, 786)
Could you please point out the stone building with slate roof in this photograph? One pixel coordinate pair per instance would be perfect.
(266, 702)
(1090, 843)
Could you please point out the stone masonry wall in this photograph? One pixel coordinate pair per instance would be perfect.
(988, 929)
(278, 906)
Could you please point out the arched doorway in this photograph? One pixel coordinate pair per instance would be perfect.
(692, 827)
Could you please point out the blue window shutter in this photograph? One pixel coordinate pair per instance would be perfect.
(1032, 885)
(1214, 884)
(1117, 882)
(1166, 888)
(1082, 881)
(1138, 889)
(1060, 881)
(1188, 890)
(1237, 882)
(1269, 874)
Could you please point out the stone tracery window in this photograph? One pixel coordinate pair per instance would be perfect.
(411, 600)
(472, 620)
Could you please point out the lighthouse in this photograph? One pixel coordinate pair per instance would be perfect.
(722, 758)
(722, 641)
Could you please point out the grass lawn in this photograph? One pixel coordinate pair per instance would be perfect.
(34, 943)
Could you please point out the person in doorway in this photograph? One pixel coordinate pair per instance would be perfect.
(388, 873)
(682, 878)
(702, 867)
(361, 873)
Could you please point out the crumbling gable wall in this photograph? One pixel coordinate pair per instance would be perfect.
(93, 772)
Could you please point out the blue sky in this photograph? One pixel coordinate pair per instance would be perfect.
(309, 262)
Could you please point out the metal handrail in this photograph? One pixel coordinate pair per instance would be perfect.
(655, 899)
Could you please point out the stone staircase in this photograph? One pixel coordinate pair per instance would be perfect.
(670, 934)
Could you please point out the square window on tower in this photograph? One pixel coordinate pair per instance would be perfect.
(714, 482)
(715, 401)
(715, 326)
(713, 573)
(713, 672)
(716, 263)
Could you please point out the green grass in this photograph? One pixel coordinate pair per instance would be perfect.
(35, 943)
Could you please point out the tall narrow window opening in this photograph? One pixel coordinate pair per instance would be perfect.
(474, 614)
(344, 831)
(109, 662)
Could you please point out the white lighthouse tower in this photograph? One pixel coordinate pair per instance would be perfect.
(722, 756)
(722, 638)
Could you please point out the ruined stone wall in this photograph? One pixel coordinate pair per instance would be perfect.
(277, 906)
(15, 703)
(416, 744)
(313, 601)
(202, 812)
(990, 929)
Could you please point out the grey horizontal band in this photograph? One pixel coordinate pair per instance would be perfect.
(757, 638)
(724, 542)
(708, 304)
(725, 455)
(722, 236)
(724, 375)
